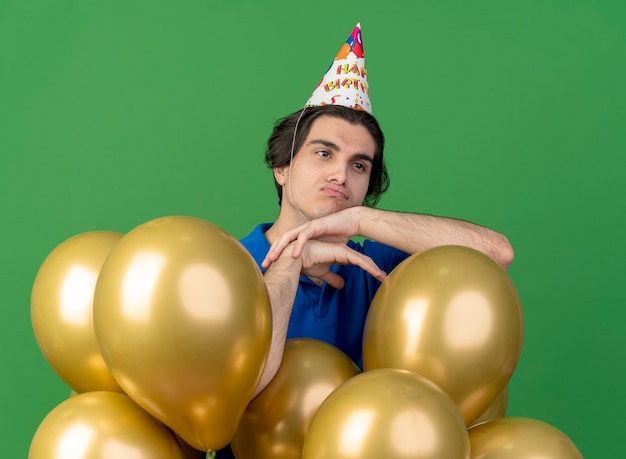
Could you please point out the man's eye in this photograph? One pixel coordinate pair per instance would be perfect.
(323, 153)
(359, 166)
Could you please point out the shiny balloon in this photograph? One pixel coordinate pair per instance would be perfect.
(61, 310)
(102, 425)
(520, 438)
(496, 410)
(189, 452)
(453, 315)
(387, 413)
(183, 320)
(275, 423)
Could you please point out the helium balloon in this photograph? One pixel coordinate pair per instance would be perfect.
(189, 452)
(496, 410)
(387, 413)
(183, 319)
(453, 315)
(276, 421)
(61, 310)
(520, 438)
(102, 425)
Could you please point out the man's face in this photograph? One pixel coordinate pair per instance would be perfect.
(330, 172)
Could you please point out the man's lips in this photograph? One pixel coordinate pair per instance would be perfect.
(335, 191)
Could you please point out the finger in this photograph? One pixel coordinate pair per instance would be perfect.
(268, 260)
(300, 235)
(280, 243)
(266, 263)
(275, 250)
(333, 279)
(375, 271)
(301, 240)
(366, 263)
(315, 229)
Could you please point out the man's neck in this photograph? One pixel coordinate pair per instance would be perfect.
(284, 222)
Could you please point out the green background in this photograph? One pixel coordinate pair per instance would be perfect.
(509, 114)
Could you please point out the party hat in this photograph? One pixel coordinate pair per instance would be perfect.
(345, 82)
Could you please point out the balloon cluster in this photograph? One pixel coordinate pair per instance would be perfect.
(441, 341)
(163, 334)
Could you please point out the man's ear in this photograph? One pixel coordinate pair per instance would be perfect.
(280, 174)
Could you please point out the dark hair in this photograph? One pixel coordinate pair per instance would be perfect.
(279, 144)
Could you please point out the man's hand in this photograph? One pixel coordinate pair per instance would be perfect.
(318, 256)
(411, 233)
(338, 227)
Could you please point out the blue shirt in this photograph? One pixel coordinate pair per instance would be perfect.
(336, 316)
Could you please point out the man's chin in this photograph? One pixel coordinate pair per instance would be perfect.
(329, 210)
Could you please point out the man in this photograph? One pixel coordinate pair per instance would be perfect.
(321, 283)
(327, 161)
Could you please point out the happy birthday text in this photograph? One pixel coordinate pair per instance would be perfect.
(356, 71)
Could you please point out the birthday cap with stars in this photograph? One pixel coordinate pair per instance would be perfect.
(345, 82)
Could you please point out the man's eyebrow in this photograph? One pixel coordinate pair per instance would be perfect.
(326, 143)
(334, 146)
(363, 157)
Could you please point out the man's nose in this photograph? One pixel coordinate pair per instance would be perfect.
(338, 173)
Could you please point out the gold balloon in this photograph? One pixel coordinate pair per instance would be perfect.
(387, 413)
(183, 320)
(496, 410)
(189, 452)
(102, 425)
(520, 438)
(61, 310)
(275, 423)
(453, 315)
